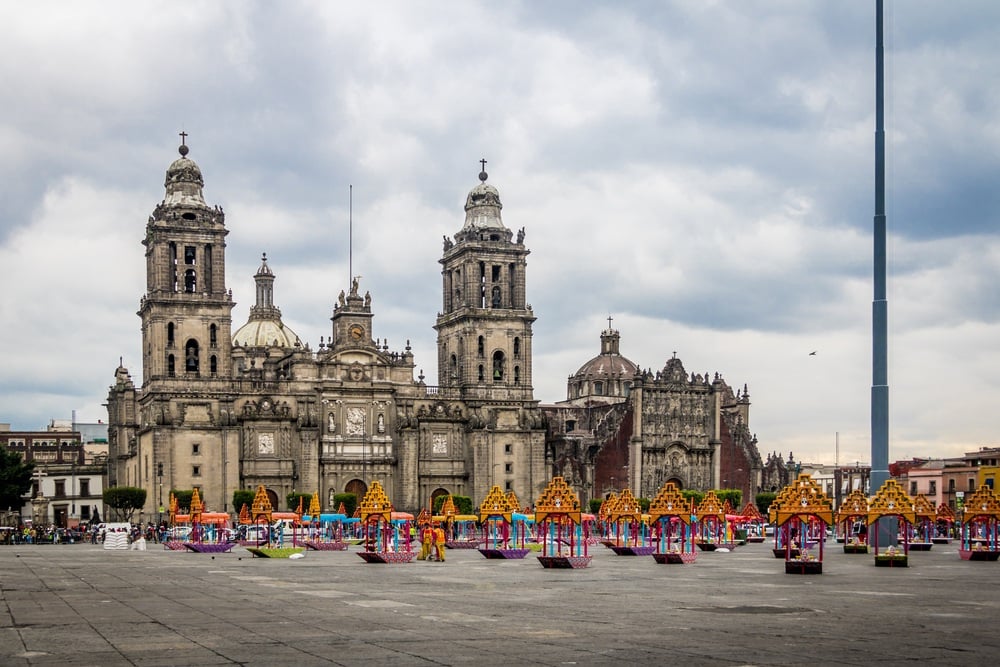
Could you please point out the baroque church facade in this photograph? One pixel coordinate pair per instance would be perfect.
(624, 427)
(220, 410)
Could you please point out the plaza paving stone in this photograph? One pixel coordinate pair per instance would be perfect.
(81, 605)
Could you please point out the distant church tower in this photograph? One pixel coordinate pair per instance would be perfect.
(484, 331)
(186, 311)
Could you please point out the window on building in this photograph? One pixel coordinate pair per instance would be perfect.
(170, 365)
(913, 488)
(213, 365)
(85, 512)
(508, 468)
(988, 482)
(482, 373)
(570, 425)
(191, 356)
(508, 485)
(498, 366)
(508, 448)
(173, 266)
(972, 484)
(517, 348)
(196, 448)
(196, 471)
(933, 487)
(213, 336)
(189, 255)
(84, 487)
(170, 334)
(481, 348)
(60, 488)
(190, 281)
(517, 375)
(951, 485)
(599, 388)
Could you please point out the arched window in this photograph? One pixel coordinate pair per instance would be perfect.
(213, 336)
(190, 282)
(517, 348)
(170, 334)
(498, 366)
(170, 365)
(191, 356)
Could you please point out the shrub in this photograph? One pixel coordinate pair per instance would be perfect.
(350, 501)
(243, 497)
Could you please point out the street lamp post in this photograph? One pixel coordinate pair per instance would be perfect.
(159, 495)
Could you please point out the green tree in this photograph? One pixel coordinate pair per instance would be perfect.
(15, 479)
(595, 505)
(463, 504)
(764, 501)
(183, 497)
(350, 501)
(734, 496)
(293, 501)
(691, 494)
(124, 500)
(243, 497)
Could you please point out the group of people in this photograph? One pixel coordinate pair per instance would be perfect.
(432, 539)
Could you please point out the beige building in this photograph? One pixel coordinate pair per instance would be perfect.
(220, 410)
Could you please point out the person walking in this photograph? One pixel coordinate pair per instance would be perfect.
(426, 542)
(439, 540)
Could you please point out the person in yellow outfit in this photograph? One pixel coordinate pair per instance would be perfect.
(426, 542)
(439, 542)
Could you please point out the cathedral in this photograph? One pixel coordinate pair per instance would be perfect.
(222, 410)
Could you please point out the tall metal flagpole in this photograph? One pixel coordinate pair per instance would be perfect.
(880, 306)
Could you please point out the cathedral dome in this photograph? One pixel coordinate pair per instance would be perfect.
(265, 328)
(609, 374)
(608, 365)
(265, 333)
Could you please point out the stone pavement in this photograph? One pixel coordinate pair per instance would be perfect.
(80, 605)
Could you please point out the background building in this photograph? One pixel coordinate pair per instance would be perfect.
(68, 483)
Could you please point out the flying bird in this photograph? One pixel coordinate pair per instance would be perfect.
(813, 353)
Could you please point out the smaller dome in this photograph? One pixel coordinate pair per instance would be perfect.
(265, 333)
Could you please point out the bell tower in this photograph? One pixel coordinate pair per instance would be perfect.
(484, 330)
(187, 311)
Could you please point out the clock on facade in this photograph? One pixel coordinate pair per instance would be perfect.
(356, 332)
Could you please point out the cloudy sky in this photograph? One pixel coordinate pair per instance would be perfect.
(700, 171)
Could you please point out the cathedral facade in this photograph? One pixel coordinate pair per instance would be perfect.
(220, 411)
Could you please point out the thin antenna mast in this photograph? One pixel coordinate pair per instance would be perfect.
(350, 234)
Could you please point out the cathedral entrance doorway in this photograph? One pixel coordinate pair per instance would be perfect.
(358, 488)
(436, 493)
(273, 498)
